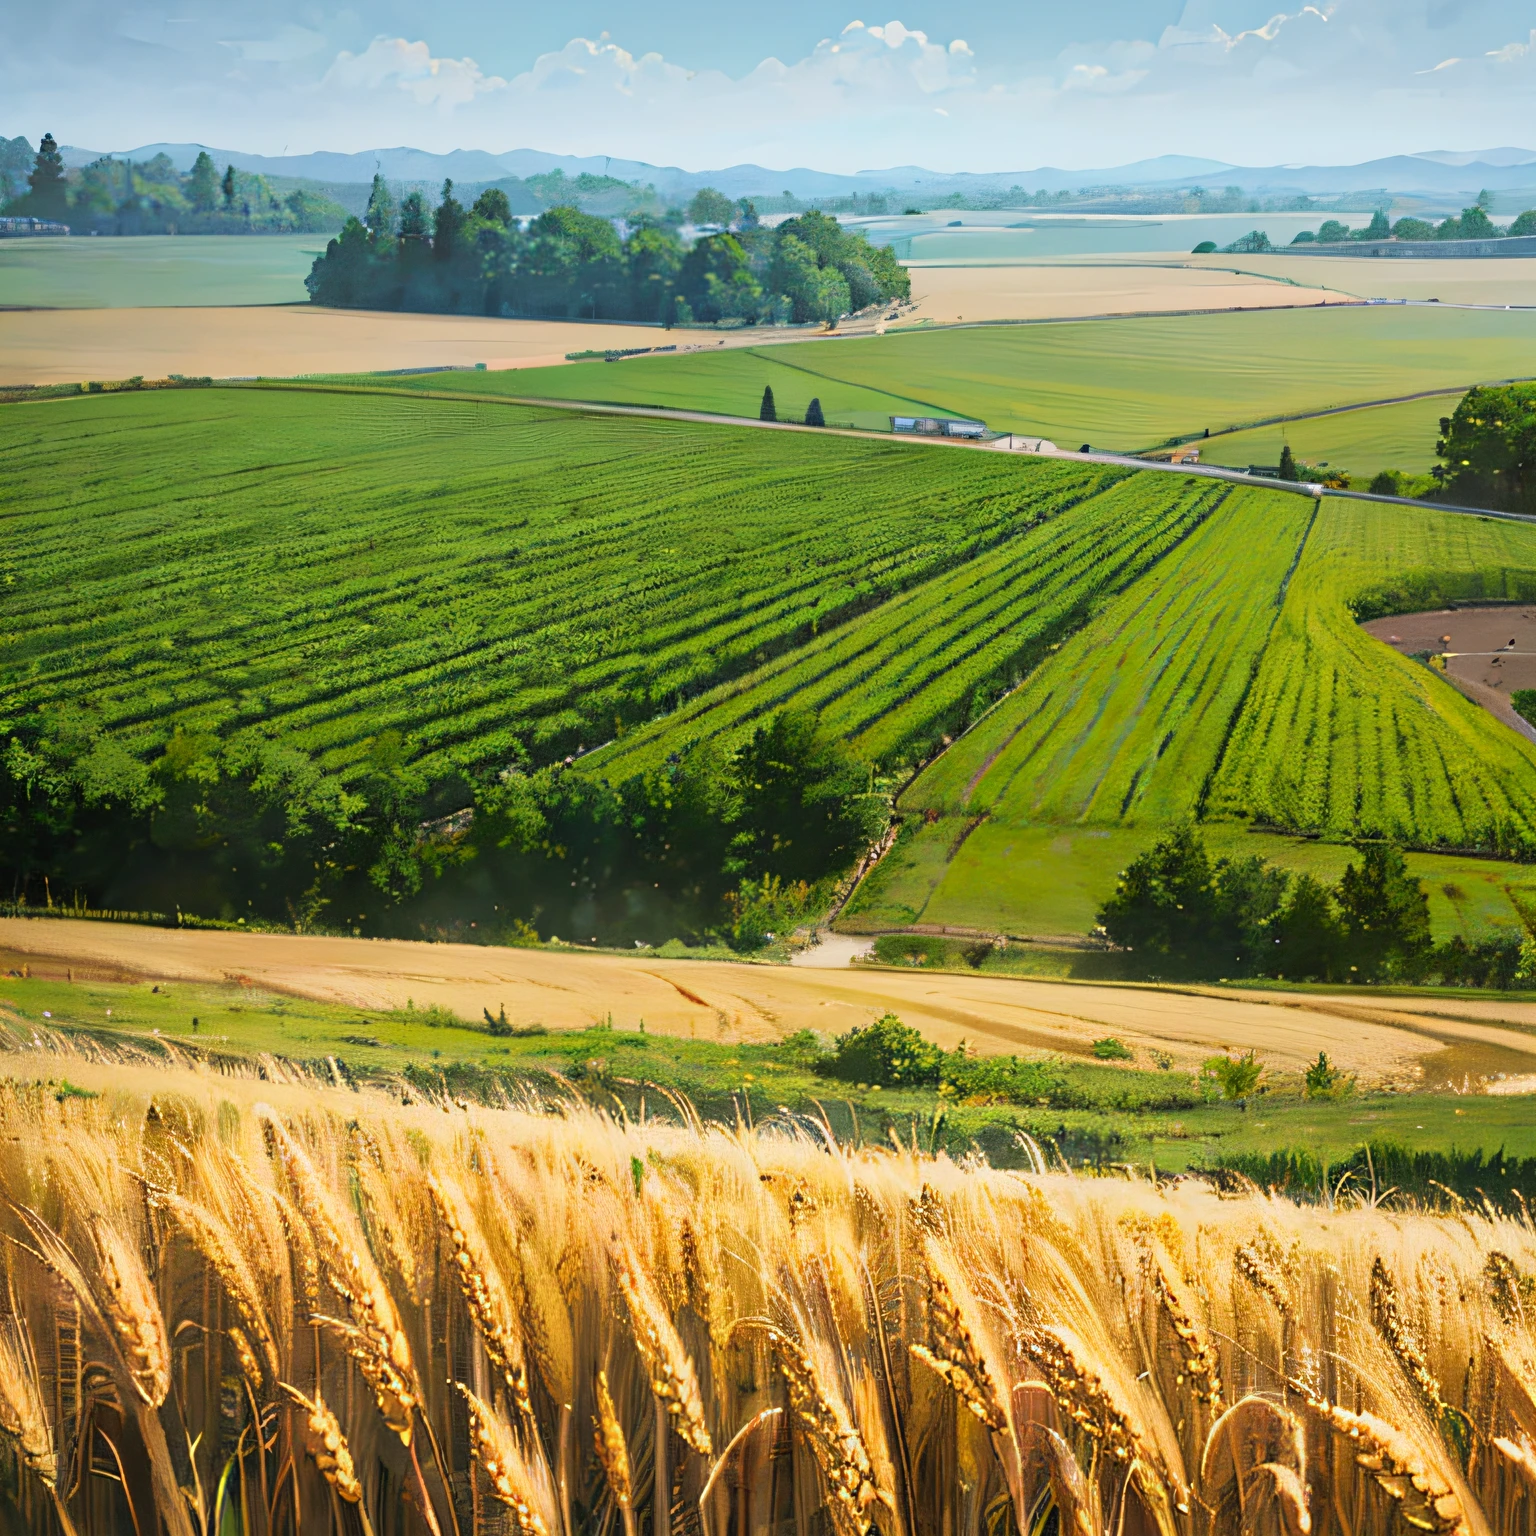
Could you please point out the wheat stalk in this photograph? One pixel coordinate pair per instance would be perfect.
(1399, 1468)
(511, 1480)
(612, 1452)
(673, 1379)
(1402, 1338)
(1080, 1392)
(327, 1446)
(377, 1341)
(22, 1416)
(955, 1356)
(1264, 1275)
(216, 1243)
(134, 1314)
(484, 1294)
(1201, 1364)
(837, 1446)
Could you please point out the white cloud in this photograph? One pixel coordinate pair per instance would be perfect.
(1512, 51)
(410, 67)
(1443, 64)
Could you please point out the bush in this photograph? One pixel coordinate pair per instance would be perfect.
(1205, 248)
(1237, 1076)
(887, 1052)
(1326, 1081)
(1111, 1049)
(1523, 702)
(1386, 482)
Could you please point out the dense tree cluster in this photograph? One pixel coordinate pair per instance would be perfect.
(711, 843)
(1179, 914)
(1487, 449)
(1470, 224)
(481, 260)
(124, 197)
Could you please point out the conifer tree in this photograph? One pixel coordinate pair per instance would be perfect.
(228, 187)
(203, 184)
(49, 199)
(380, 217)
(767, 411)
(1288, 464)
(813, 416)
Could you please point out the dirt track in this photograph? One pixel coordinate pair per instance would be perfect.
(1382, 1039)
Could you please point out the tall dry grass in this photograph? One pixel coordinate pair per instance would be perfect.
(266, 1305)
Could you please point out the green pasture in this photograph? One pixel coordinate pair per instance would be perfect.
(1049, 881)
(1119, 384)
(1363, 442)
(1094, 1111)
(153, 271)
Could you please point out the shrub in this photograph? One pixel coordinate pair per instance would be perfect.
(887, 1052)
(1523, 702)
(1237, 1076)
(1205, 248)
(1326, 1081)
(1111, 1049)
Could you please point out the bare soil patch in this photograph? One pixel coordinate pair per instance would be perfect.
(1381, 1039)
(1489, 652)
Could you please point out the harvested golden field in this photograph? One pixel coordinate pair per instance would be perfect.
(1046, 291)
(269, 1305)
(1384, 1040)
(1492, 280)
(66, 346)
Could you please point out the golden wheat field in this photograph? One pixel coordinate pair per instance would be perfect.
(263, 1304)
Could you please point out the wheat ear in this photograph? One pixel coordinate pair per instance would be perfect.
(134, 1314)
(22, 1416)
(216, 1244)
(1080, 1392)
(1201, 1364)
(483, 1293)
(327, 1446)
(672, 1375)
(506, 1468)
(1264, 1275)
(1399, 1468)
(835, 1443)
(376, 1338)
(1402, 1338)
(613, 1453)
(955, 1355)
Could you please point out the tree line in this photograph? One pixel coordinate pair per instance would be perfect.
(729, 845)
(125, 197)
(1179, 914)
(1470, 224)
(569, 264)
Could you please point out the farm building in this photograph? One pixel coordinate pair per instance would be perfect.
(938, 426)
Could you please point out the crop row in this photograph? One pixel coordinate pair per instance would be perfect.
(892, 680)
(1126, 722)
(1342, 735)
(480, 577)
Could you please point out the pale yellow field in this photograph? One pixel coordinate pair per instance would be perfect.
(1381, 1039)
(65, 346)
(1042, 291)
(1494, 280)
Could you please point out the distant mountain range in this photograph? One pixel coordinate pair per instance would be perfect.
(1443, 174)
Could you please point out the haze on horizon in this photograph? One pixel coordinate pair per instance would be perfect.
(978, 85)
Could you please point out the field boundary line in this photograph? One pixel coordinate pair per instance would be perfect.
(1344, 410)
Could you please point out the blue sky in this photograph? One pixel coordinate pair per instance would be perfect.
(970, 84)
